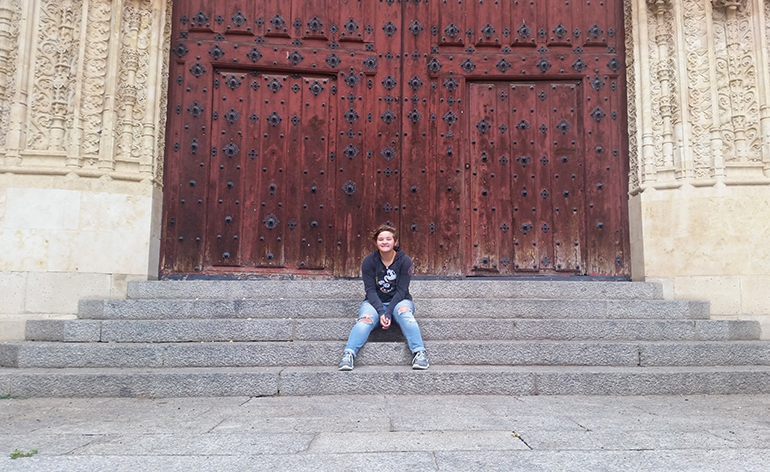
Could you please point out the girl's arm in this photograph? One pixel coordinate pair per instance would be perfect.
(370, 287)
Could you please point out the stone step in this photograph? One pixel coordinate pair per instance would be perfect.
(337, 329)
(452, 288)
(379, 380)
(499, 308)
(328, 353)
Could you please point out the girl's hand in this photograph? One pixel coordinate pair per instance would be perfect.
(385, 322)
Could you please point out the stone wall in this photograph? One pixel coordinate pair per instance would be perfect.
(82, 120)
(699, 128)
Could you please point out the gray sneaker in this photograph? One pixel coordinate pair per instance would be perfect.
(420, 360)
(347, 361)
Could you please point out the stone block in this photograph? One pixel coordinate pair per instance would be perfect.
(265, 354)
(24, 250)
(12, 329)
(604, 330)
(705, 353)
(266, 289)
(59, 292)
(5, 382)
(653, 381)
(46, 209)
(658, 309)
(61, 355)
(334, 329)
(438, 380)
(574, 290)
(724, 292)
(723, 330)
(12, 296)
(156, 383)
(175, 331)
(9, 355)
(64, 330)
(532, 353)
(755, 299)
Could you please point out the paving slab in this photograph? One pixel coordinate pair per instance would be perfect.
(409, 441)
(623, 440)
(698, 460)
(46, 444)
(475, 419)
(390, 462)
(363, 425)
(197, 444)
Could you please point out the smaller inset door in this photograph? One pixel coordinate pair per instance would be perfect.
(525, 190)
(270, 202)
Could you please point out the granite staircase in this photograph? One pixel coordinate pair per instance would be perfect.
(484, 336)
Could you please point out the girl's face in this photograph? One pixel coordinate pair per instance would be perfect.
(385, 242)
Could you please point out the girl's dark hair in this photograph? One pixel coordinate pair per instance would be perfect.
(382, 229)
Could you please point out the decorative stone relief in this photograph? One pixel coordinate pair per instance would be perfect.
(133, 79)
(711, 131)
(737, 84)
(634, 171)
(663, 81)
(163, 111)
(9, 39)
(93, 69)
(53, 88)
(699, 86)
(96, 56)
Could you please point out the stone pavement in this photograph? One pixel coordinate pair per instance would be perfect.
(388, 433)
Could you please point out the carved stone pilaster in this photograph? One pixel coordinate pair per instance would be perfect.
(664, 75)
(8, 51)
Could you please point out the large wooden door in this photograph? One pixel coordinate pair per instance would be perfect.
(492, 134)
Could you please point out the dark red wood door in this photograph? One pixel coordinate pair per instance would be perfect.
(492, 134)
(526, 183)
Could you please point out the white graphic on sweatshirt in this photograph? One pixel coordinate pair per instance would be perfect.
(387, 285)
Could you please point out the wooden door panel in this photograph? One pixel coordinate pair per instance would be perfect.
(230, 132)
(484, 192)
(524, 24)
(488, 20)
(418, 192)
(237, 17)
(526, 227)
(596, 25)
(393, 133)
(566, 187)
(560, 22)
(450, 26)
(317, 21)
(524, 150)
(450, 174)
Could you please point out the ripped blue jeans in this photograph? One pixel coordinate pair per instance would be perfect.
(404, 318)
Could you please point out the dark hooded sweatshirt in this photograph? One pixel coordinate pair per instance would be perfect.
(383, 284)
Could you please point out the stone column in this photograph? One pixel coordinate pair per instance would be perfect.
(665, 75)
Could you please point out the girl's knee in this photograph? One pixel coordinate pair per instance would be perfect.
(365, 319)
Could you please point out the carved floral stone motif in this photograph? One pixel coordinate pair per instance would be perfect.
(88, 106)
